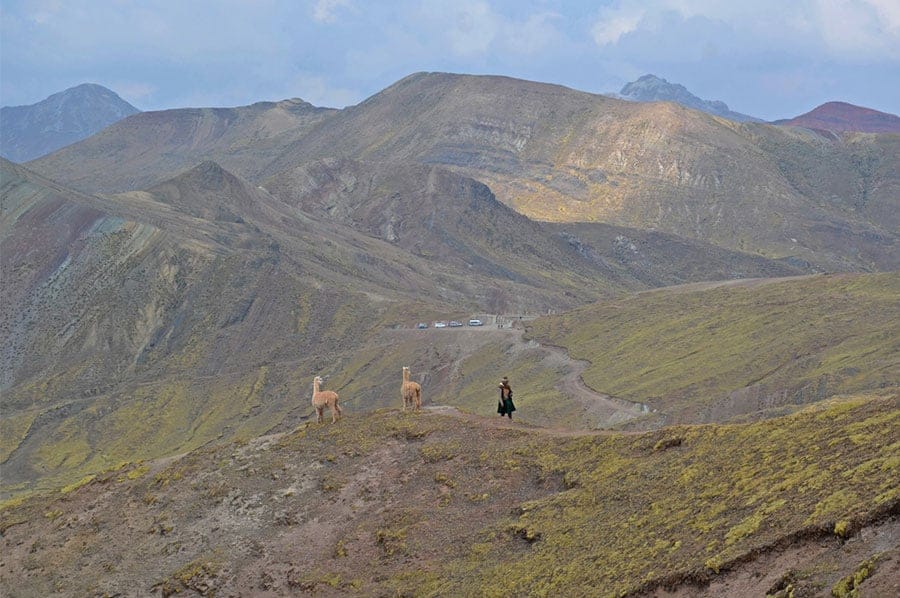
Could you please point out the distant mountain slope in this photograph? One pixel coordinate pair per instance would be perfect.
(152, 147)
(29, 132)
(554, 154)
(432, 211)
(650, 88)
(841, 117)
(557, 154)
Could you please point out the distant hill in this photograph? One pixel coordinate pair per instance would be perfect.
(152, 147)
(29, 132)
(651, 88)
(841, 117)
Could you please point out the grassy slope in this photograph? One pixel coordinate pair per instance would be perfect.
(691, 353)
(436, 505)
(688, 499)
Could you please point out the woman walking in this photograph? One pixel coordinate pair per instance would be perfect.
(505, 406)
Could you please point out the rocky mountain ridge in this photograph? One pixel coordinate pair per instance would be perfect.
(650, 88)
(29, 132)
(444, 503)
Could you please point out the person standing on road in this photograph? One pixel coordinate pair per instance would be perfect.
(505, 406)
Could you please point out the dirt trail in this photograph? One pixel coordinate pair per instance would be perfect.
(692, 287)
(611, 410)
(607, 410)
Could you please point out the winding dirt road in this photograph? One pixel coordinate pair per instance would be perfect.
(606, 410)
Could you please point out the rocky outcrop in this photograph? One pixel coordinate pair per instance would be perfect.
(651, 88)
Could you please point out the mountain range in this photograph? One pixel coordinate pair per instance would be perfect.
(172, 284)
(29, 132)
(552, 154)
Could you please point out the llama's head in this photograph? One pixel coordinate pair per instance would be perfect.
(405, 368)
(317, 379)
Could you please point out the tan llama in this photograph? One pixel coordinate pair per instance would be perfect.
(321, 398)
(411, 392)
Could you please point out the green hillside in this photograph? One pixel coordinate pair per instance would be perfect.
(706, 354)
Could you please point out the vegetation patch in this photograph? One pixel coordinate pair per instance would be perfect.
(848, 587)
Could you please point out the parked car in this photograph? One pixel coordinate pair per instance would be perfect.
(455, 324)
(475, 322)
(421, 325)
(440, 324)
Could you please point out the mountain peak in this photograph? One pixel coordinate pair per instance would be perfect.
(208, 191)
(650, 88)
(205, 176)
(843, 116)
(28, 132)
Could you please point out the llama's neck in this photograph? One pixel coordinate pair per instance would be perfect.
(406, 375)
(315, 387)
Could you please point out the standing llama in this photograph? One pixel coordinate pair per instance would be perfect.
(411, 392)
(321, 398)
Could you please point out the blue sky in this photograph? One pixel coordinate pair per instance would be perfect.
(768, 58)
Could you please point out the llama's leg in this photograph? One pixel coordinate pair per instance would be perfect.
(336, 410)
(403, 396)
(319, 414)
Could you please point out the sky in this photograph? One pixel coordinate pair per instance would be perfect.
(767, 58)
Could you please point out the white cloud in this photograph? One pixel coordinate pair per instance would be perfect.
(325, 11)
(845, 29)
(860, 28)
(615, 23)
(534, 34)
(473, 28)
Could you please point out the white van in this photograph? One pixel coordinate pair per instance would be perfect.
(475, 323)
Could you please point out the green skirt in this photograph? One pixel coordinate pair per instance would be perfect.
(505, 406)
